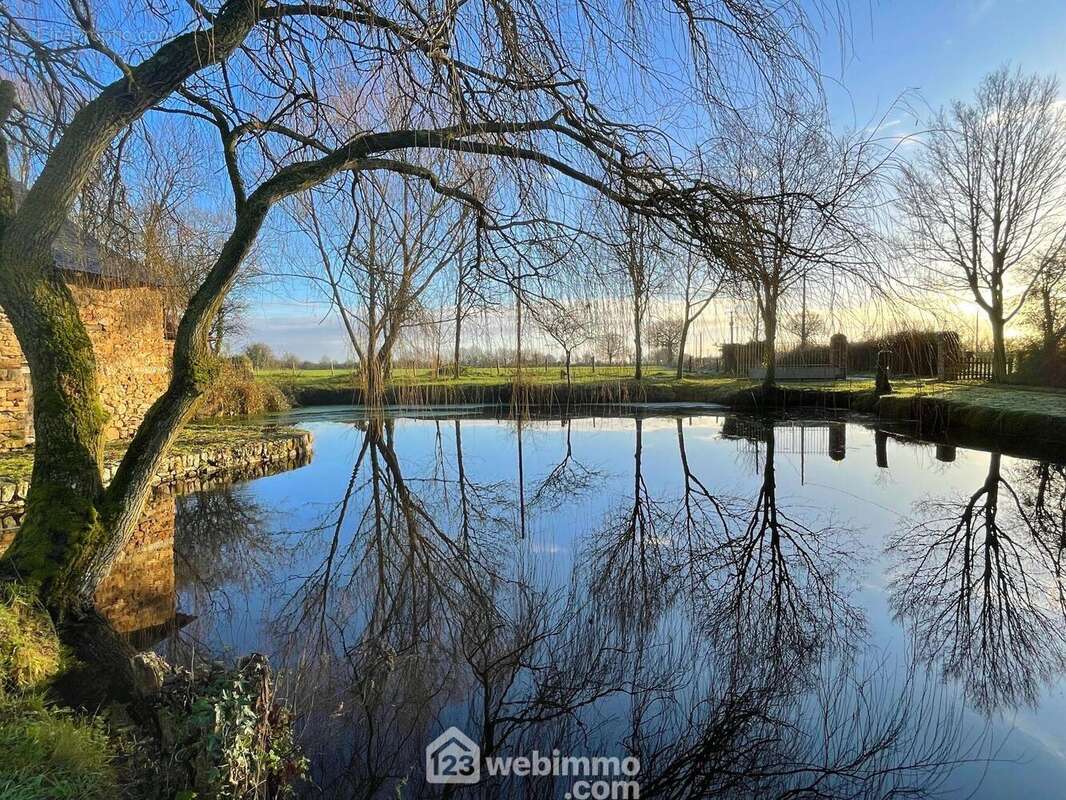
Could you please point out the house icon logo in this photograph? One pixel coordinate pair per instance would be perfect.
(453, 757)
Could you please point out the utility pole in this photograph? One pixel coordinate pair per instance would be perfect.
(518, 327)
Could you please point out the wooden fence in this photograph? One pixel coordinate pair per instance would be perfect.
(974, 368)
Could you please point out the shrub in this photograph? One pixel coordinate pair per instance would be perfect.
(225, 735)
(913, 352)
(236, 392)
(1037, 366)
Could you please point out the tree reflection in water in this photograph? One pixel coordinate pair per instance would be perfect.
(781, 578)
(711, 636)
(980, 579)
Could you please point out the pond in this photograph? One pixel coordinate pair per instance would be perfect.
(750, 607)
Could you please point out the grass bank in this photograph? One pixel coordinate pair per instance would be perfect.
(549, 388)
(938, 408)
(1037, 415)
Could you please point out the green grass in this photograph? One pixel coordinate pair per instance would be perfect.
(1025, 399)
(481, 377)
(470, 377)
(30, 654)
(48, 753)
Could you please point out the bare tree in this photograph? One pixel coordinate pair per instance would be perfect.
(806, 326)
(633, 257)
(814, 218)
(611, 345)
(494, 81)
(1044, 311)
(666, 333)
(701, 285)
(382, 242)
(985, 194)
(570, 326)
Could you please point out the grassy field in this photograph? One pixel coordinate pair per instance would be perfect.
(1001, 396)
(471, 376)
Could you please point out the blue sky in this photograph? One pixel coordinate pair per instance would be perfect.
(934, 50)
(939, 48)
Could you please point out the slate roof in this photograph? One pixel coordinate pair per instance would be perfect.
(78, 251)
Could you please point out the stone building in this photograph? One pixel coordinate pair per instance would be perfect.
(124, 314)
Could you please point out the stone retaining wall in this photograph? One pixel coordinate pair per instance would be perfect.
(139, 592)
(191, 471)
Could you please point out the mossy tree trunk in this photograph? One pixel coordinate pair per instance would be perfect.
(74, 526)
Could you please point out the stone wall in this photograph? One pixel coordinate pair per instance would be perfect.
(14, 397)
(190, 469)
(125, 325)
(139, 593)
(133, 357)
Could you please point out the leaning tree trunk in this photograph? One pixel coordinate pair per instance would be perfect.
(74, 527)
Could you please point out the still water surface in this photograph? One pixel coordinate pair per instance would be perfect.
(752, 607)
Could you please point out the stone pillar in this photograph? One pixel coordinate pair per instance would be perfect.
(948, 356)
(838, 444)
(882, 385)
(881, 445)
(945, 453)
(838, 354)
